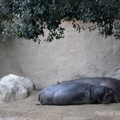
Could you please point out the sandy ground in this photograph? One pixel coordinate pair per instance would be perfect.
(28, 110)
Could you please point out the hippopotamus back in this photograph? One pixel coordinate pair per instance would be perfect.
(99, 81)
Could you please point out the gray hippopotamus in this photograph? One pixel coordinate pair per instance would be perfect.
(99, 81)
(77, 93)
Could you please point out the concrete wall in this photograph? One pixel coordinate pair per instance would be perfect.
(77, 55)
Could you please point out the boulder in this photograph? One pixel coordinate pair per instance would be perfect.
(5, 93)
(10, 92)
(28, 84)
(13, 88)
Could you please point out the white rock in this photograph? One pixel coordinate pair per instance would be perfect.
(11, 91)
(13, 88)
(28, 84)
(5, 93)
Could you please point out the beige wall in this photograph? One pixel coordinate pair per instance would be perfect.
(77, 55)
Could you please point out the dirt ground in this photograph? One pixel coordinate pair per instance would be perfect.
(28, 110)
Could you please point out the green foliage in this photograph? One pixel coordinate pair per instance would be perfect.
(30, 18)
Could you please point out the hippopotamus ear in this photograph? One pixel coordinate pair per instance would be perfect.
(108, 92)
(108, 96)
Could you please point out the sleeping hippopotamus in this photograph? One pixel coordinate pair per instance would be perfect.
(77, 93)
(99, 81)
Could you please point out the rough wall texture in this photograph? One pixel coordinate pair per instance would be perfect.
(77, 55)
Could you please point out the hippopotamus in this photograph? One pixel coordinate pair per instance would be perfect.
(99, 81)
(76, 94)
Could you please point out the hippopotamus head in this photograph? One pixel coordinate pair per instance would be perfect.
(104, 95)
